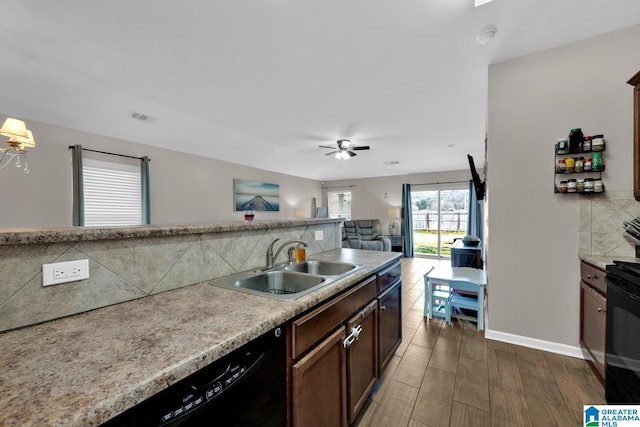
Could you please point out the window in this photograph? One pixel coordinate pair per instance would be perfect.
(439, 217)
(339, 204)
(109, 189)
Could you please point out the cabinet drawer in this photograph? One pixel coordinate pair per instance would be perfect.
(388, 276)
(593, 276)
(312, 327)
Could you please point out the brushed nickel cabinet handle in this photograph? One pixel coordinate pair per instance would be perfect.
(383, 307)
(602, 310)
(592, 276)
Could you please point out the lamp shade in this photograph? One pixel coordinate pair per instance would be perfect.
(14, 128)
(299, 213)
(27, 142)
(393, 212)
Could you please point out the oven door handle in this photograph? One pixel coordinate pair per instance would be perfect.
(634, 297)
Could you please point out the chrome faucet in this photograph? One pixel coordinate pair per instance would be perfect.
(271, 258)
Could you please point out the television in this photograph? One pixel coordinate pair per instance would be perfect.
(477, 183)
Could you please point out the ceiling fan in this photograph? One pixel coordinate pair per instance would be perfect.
(345, 149)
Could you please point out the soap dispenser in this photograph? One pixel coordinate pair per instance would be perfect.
(301, 253)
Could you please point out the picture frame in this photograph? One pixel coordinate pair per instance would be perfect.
(256, 195)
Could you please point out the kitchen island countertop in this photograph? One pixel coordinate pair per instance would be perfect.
(85, 369)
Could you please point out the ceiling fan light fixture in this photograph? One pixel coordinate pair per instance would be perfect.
(343, 151)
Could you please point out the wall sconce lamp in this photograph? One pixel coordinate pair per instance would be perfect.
(20, 140)
(393, 213)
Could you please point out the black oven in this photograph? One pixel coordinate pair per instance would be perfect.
(622, 384)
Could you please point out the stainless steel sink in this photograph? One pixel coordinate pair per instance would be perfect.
(288, 281)
(323, 268)
(280, 282)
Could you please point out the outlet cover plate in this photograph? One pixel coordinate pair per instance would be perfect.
(63, 272)
(319, 235)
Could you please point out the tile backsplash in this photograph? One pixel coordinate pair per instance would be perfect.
(125, 269)
(601, 229)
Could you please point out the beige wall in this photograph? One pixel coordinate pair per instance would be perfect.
(368, 194)
(533, 100)
(184, 188)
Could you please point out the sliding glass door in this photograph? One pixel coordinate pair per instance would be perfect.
(439, 217)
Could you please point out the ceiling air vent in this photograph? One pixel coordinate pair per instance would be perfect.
(393, 162)
(144, 117)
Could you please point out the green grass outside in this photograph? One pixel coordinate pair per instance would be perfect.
(426, 242)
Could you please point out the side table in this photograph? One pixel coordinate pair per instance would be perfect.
(397, 243)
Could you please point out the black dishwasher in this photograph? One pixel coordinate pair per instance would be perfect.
(244, 388)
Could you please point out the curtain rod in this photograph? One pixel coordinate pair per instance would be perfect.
(446, 182)
(339, 186)
(111, 154)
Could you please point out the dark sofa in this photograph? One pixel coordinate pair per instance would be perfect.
(365, 234)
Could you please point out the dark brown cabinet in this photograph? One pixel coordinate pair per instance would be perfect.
(326, 390)
(319, 387)
(390, 313)
(335, 350)
(390, 324)
(362, 358)
(593, 315)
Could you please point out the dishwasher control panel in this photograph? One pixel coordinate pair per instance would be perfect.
(223, 379)
(224, 387)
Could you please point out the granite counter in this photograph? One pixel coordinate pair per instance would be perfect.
(84, 369)
(602, 261)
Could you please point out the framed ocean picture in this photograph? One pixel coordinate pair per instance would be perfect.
(257, 196)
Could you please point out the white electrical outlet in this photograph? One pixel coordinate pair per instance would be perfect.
(319, 235)
(62, 272)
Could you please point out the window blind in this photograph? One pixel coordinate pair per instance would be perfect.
(112, 193)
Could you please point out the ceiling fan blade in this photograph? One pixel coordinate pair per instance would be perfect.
(333, 152)
(351, 153)
(327, 146)
(362, 147)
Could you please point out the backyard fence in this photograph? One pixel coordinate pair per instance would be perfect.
(449, 221)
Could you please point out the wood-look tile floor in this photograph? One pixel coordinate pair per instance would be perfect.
(445, 375)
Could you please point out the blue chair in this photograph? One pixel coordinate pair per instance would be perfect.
(466, 299)
(440, 299)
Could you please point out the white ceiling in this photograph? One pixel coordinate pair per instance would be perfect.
(264, 82)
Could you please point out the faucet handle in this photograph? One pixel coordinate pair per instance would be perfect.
(271, 245)
(290, 253)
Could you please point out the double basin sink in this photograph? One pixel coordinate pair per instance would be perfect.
(288, 281)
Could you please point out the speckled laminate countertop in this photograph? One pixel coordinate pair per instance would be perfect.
(85, 369)
(601, 261)
(22, 236)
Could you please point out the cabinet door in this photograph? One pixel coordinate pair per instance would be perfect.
(593, 324)
(362, 357)
(390, 320)
(319, 385)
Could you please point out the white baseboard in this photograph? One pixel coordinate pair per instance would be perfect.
(552, 347)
